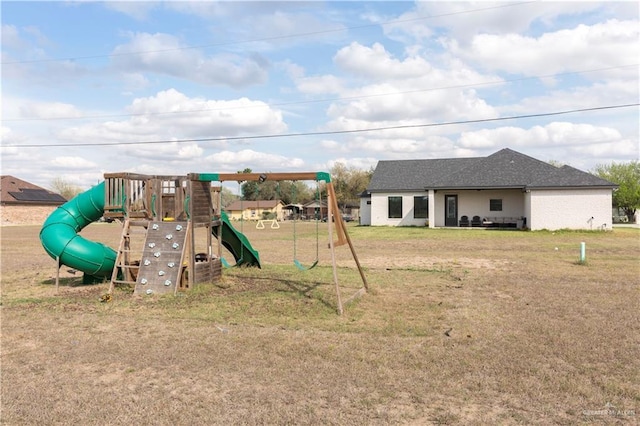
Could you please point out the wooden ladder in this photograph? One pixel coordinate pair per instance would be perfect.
(123, 259)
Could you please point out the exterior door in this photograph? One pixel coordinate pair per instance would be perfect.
(450, 210)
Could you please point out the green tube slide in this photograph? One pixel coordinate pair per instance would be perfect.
(60, 239)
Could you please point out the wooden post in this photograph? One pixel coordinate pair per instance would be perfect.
(191, 230)
(333, 257)
(218, 212)
(57, 273)
(343, 235)
(187, 248)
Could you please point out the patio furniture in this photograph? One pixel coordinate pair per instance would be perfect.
(476, 221)
(464, 221)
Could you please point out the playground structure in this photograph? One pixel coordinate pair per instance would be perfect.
(173, 231)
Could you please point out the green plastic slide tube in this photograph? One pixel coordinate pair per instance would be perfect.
(60, 239)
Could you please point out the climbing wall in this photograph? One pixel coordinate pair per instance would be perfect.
(162, 258)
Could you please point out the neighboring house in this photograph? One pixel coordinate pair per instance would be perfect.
(17, 192)
(505, 189)
(25, 203)
(315, 209)
(255, 209)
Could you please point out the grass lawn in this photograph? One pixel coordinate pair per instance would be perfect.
(461, 327)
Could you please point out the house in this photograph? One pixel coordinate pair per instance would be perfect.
(315, 209)
(22, 202)
(505, 189)
(255, 209)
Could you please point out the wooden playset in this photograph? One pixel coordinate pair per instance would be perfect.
(173, 229)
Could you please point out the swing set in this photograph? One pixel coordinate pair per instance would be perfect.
(318, 213)
(333, 213)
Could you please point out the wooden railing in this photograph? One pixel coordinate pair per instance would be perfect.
(143, 196)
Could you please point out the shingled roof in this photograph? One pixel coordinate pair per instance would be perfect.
(18, 191)
(503, 169)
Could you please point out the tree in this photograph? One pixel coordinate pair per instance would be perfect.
(627, 176)
(349, 182)
(295, 192)
(287, 191)
(227, 197)
(65, 188)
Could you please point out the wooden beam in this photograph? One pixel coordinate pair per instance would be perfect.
(332, 203)
(243, 177)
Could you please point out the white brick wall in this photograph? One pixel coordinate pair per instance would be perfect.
(544, 209)
(570, 209)
(380, 210)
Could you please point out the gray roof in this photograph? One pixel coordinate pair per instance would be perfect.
(503, 169)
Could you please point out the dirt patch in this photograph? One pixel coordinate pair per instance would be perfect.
(24, 215)
(434, 263)
(468, 328)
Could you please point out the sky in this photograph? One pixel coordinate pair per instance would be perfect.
(178, 87)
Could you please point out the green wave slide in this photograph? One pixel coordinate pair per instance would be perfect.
(237, 243)
(60, 239)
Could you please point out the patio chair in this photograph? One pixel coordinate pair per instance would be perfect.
(464, 221)
(476, 221)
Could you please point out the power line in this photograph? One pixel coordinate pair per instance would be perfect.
(280, 37)
(335, 132)
(345, 98)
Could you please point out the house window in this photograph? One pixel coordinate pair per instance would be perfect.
(495, 205)
(420, 207)
(395, 207)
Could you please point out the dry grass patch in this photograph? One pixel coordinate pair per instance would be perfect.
(461, 327)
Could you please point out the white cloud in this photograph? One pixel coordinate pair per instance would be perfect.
(172, 115)
(319, 84)
(9, 137)
(404, 92)
(264, 26)
(172, 152)
(584, 47)
(360, 163)
(47, 110)
(375, 63)
(139, 10)
(259, 161)
(463, 20)
(395, 146)
(434, 65)
(578, 144)
(332, 145)
(134, 81)
(552, 134)
(406, 108)
(165, 54)
(71, 163)
(11, 38)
